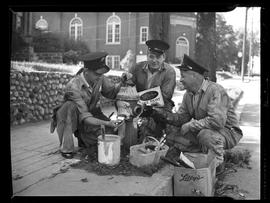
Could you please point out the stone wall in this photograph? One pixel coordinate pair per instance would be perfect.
(34, 94)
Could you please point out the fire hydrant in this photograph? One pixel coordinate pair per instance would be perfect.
(128, 109)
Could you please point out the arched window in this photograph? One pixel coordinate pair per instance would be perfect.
(182, 47)
(113, 28)
(75, 28)
(41, 24)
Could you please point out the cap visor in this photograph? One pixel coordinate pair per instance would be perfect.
(103, 69)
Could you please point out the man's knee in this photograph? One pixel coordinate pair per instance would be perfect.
(207, 136)
(68, 114)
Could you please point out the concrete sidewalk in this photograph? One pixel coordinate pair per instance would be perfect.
(38, 168)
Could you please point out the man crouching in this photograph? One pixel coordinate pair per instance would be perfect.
(80, 113)
(206, 118)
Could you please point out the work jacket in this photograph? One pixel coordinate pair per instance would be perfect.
(212, 110)
(87, 98)
(165, 78)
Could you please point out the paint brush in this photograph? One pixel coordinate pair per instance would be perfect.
(111, 115)
(102, 131)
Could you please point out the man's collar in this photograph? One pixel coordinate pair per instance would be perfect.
(84, 80)
(146, 67)
(204, 85)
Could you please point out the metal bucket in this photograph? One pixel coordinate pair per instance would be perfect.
(109, 149)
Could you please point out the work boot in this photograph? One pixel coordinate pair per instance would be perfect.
(173, 153)
(220, 169)
(92, 151)
(172, 156)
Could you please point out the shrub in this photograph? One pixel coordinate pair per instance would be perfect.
(79, 46)
(70, 57)
(73, 50)
(47, 42)
(17, 43)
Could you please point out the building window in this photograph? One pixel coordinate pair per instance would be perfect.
(182, 47)
(113, 61)
(42, 24)
(113, 29)
(75, 28)
(143, 34)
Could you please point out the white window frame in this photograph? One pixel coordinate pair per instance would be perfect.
(187, 45)
(76, 25)
(113, 58)
(41, 24)
(113, 24)
(141, 34)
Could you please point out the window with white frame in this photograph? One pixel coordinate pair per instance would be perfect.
(113, 61)
(42, 24)
(182, 47)
(75, 28)
(143, 34)
(113, 29)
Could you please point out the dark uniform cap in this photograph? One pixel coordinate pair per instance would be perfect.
(94, 61)
(158, 46)
(189, 64)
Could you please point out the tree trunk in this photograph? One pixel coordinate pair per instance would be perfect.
(159, 26)
(206, 43)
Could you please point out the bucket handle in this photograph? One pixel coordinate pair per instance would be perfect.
(156, 158)
(158, 143)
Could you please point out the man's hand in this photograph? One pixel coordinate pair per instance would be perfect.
(147, 111)
(160, 114)
(185, 128)
(125, 78)
(114, 123)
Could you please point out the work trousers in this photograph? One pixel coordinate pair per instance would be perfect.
(68, 125)
(205, 140)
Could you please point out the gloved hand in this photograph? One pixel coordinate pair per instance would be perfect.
(147, 111)
(159, 114)
(126, 78)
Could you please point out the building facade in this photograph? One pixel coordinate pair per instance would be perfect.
(113, 32)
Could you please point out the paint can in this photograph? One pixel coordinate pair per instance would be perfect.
(109, 149)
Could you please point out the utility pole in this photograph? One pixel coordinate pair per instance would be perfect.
(250, 46)
(244, 48)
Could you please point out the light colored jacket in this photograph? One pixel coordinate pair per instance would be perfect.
(86, 98)
(165, 78)
(214, 110)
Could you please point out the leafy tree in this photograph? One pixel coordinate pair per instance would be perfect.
(227, 49)
(255, 47)
(205, 45)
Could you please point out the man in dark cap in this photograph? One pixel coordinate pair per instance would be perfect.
(206, 118)
(80, 113)
(153, 73)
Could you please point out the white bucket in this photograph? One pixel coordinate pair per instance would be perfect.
(109, 149)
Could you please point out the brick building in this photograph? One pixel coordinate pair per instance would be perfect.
(115, 33)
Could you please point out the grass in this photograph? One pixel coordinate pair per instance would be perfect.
(233, 159)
